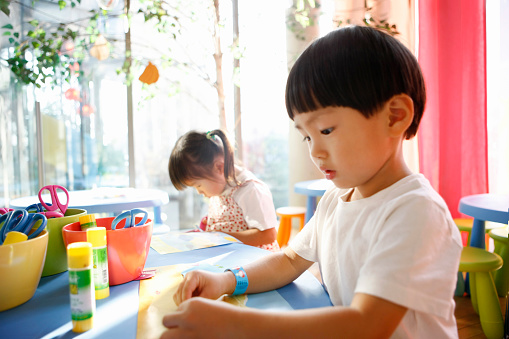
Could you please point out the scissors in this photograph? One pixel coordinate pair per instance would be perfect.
(129, 216)
(21, 221)
(5, 210)
(56, 208)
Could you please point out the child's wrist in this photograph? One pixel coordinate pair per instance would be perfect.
(241, 282)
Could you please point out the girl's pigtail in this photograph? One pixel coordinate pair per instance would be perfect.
(229, 156)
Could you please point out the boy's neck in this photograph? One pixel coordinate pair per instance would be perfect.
(359, 193)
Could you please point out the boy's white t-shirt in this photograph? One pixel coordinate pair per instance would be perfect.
(255, 200)
(400, 244)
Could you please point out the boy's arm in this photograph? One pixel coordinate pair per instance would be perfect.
(367, 317)
(268, 273)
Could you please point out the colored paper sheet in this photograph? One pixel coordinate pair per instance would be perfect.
(156, 298)
(173, 242)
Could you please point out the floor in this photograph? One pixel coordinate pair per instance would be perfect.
(468, 321)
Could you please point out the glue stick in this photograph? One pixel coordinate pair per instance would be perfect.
(87, 221)
(97, 237)
(81, 285)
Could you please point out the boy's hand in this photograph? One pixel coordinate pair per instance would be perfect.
(200, 318)
(204, 284)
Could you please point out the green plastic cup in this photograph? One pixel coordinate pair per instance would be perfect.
(56, 257)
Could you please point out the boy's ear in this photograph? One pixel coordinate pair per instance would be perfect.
(400, 114)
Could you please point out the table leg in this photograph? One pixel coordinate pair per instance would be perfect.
(157, 215)
(478, 235)
(310, 207)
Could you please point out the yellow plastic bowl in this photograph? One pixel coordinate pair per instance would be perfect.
(20, 270)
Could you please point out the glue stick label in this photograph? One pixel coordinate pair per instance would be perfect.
(86, 225)
(81, 292)
(100, 255)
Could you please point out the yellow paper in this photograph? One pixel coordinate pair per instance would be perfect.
(156, 300)
(161, 247)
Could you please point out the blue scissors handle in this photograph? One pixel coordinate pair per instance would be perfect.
(21, 221)
(35, 208)
(129, 217)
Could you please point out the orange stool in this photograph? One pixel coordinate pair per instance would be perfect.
(285, 222)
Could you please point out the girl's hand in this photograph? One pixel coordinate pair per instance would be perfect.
(204, 284)
(201, 318)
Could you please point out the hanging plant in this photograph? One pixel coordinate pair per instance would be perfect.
(45, 52)
(150, 75)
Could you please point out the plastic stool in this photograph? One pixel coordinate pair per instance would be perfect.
(465, 225)
(501, 277)
(285, 222)
(480, 263)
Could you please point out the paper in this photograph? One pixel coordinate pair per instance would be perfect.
(156, 298)
(173, 242)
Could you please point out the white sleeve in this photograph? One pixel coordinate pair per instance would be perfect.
(255, 200)
(415, 259)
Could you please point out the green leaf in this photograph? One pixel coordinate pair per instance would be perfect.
(4, 7)
(7, 33)
(8, 26)
(34, 23)
(16, 34)
(11, 40)
(62, 4)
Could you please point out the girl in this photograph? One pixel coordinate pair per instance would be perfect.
(239, 203)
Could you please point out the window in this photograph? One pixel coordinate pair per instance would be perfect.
(87, 147)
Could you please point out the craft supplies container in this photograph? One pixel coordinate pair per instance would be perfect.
(127, 247)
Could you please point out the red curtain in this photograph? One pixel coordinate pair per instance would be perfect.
(453, 152)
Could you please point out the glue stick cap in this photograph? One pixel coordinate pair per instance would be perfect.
(96, 236)
(87, 218)
(79, 255)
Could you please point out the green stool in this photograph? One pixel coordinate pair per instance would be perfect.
(480, 263)
(465, 225)
(501, 277)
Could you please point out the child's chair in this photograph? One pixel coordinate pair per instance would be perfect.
(501, 277)
(465, 227)
(285, 222)
(480, 263)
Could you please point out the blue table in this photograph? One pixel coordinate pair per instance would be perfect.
(484, 207)
(312, 189)
(47, 314)
(108, 200)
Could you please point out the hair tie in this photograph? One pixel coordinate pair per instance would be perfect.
(209, 135)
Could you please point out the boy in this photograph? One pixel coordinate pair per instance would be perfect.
(386, 244)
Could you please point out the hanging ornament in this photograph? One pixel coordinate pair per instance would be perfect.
(150, 74)
(72, 94)
(87, 110)
(107, 4)
(74, 69)
(67, 47)
(101, 48)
